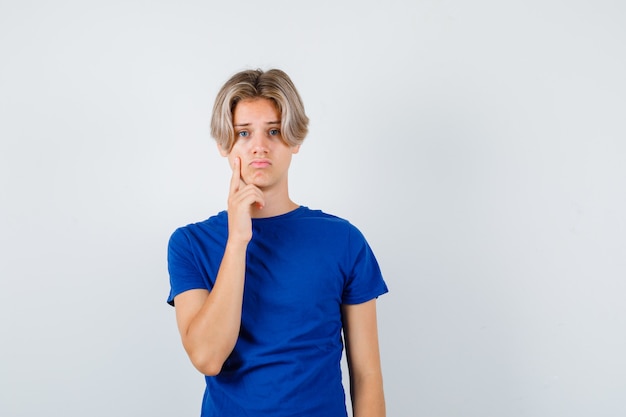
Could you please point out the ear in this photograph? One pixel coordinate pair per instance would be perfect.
(222, 151)
(295, 149)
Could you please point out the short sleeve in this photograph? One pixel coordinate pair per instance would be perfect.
(182, 266)
(365, 281)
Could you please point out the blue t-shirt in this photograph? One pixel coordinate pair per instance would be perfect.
(301, 267)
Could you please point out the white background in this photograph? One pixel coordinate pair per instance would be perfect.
(479, 145)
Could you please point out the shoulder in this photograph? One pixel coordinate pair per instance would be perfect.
(215, 226)
(321, 217)
(330, 223)
(214, 222)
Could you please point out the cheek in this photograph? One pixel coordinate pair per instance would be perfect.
(239, 148)
(236, 150)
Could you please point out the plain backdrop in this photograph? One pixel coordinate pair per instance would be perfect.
(479, 146)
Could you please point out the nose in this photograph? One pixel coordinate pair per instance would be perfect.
(260, 144)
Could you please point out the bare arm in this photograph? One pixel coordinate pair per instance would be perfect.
(209, 322)
(362, 352)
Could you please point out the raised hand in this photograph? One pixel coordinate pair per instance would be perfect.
(209, 321)
(241, 198)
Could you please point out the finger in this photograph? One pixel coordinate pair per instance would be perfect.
(235, 179)
(250, 195)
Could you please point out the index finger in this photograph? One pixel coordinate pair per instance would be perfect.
(235, 179)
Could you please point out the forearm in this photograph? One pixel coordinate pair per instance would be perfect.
(361, 339)
(213, 332)
(368, 399)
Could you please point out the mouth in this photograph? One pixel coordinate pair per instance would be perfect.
(260, 163)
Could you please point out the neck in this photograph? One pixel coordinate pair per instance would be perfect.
(272, 209)
(277, 202)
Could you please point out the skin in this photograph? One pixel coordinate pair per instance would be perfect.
(209, 322)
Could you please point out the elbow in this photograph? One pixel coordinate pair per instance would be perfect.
(208, 358)
(209, 369)
(207, 365)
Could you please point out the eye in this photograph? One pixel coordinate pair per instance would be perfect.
(274, 132)
(243, 134)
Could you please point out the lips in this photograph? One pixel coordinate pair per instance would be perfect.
(260, 163)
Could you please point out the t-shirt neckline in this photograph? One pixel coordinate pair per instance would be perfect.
(293, 213)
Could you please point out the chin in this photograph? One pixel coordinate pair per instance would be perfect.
(261, 184)
(259, 181)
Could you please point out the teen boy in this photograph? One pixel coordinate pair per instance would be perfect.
(264, 290)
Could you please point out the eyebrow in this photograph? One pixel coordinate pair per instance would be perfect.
(248, 124)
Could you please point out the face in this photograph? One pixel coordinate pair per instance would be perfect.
(265, 157)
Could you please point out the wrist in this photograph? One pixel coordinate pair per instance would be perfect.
(237, 244)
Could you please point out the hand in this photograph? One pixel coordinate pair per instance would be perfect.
(241, 198)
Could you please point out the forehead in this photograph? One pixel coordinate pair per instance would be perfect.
(255, 109)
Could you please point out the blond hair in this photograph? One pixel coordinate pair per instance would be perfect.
(274, 85)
